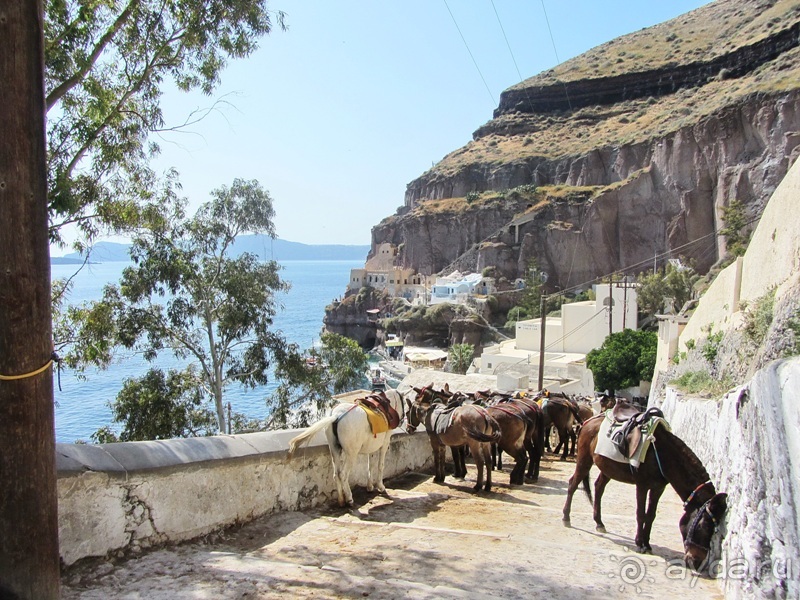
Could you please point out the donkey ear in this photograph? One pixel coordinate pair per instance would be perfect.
(446, 387)
(719, 504)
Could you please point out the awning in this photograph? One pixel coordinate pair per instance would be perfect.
(393, 344)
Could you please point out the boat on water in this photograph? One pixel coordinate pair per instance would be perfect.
(377, 379)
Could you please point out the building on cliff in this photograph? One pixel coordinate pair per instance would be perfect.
(457, 288)
(380, 272)
(581, 327)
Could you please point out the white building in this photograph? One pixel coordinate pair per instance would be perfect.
(380, 272)
(455, 288)
(581, 327)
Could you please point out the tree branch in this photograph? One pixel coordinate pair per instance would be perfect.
(61, 90)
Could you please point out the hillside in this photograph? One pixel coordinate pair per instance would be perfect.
(262, 246)
(625, 153)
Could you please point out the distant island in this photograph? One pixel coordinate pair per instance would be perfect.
(261, 245)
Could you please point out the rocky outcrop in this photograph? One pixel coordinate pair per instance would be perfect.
(571, 95)
(659, 196)
(666, 126)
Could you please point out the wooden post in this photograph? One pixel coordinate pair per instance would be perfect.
(29, 559)
(543, 321)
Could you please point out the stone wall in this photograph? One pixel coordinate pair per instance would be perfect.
(134, 495)
(750, 443)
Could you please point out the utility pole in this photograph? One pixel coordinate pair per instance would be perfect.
(29, 558)
(543, 321)
(610, 304)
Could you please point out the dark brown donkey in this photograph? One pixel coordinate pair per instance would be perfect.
(456, 426)
(669, 461)
(562, 413)
(530, 413)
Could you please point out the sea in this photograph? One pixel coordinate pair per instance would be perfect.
(83, 404)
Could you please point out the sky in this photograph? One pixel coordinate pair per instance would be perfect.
(335, 116)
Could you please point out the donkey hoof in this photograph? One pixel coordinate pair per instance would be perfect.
(601, 529)
(566, 523)
(644, 549)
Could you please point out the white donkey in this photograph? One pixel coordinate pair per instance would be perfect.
(349, 434)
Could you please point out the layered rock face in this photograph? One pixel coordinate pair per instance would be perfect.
(654, 154)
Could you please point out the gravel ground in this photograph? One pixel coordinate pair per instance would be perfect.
(420, 541)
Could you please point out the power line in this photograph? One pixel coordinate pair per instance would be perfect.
(558, 60)
(511, 52)
(470, 54)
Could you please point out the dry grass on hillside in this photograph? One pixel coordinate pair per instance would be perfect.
(699, 35)
(552, 136)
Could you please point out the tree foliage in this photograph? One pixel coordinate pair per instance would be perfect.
(672, 285)
(185, 294)
(306, 392)
(735, 229)
(460, 357)
(159, 406)
(106, 65)
(624, 360)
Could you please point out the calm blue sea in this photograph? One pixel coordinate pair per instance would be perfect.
(82, 405)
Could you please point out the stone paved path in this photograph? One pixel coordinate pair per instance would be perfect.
(422, 541)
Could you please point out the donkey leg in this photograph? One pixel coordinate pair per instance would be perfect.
(381, 464)
(649, 517)
(477, 451)
(438, 461)
(348, 460)
(336, 459)
(370, 485)
(563, 438)
(487, 454)
(599, 487)
(641, 515)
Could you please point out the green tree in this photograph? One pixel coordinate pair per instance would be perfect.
(159, 406)
(106, 64)
(672, 283)
(735, 232)
(460, 357)
(305, 391)
(625, 359)
(185, 294)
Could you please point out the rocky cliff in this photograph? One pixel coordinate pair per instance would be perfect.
(619, 156)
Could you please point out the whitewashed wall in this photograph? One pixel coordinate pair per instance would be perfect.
(750, 444)
(133, 495)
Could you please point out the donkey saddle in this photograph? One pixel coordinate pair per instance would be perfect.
(626, 430)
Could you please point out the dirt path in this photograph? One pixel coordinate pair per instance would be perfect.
(422, 541)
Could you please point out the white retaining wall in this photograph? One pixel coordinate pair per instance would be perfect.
(750, 444)
(133, 495)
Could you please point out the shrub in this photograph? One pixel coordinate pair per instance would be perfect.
(472, 196)
(759, 318)
(711, 347)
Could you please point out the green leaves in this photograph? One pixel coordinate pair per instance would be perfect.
(624, 360)
(106, 63)
(460, 357)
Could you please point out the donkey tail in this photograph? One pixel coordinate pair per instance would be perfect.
(587, 488)
(309, 433)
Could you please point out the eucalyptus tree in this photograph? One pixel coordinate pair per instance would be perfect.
(307, 388)
(107, 63)
(186, 294)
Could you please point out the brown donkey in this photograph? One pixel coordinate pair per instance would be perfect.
(456, 426)
(669, 461)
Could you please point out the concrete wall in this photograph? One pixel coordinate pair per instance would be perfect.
(750, 443)
(135, 495)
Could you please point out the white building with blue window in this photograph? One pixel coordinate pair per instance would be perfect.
(455, 288)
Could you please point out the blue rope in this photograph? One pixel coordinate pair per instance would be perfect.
(658, 460)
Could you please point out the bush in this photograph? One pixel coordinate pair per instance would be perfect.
(472, 196)
(701, 382)
(624, 360)
(759, 318)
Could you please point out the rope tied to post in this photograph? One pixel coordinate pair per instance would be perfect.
(54, 358)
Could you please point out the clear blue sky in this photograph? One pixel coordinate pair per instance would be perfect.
(359, 97)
